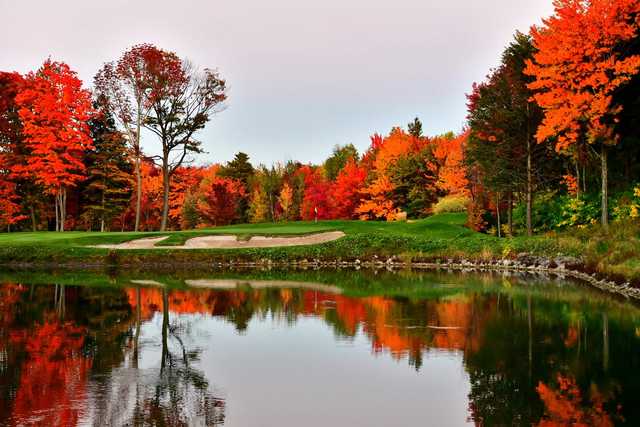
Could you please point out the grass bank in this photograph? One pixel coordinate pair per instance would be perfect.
(616, 253)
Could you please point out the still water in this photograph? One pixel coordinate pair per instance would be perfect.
(314, 349)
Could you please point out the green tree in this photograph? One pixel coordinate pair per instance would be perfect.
(240, 169)
(415, 183)
(336, 162)
(503, 121)
(109, 185)
(415, 128)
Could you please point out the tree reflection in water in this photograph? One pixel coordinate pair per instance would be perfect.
(78, 353)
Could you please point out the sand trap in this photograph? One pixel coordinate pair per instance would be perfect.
(261, 284)
(230, 242)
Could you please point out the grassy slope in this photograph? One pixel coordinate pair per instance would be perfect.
(439, 236)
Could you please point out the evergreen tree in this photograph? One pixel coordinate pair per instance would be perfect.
(240, 169)
(415, 128)
(109, 185)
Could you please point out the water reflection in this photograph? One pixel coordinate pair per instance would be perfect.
(143, 354)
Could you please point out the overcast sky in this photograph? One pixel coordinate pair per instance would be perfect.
(303, 75)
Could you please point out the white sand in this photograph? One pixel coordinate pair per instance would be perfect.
(230, 242)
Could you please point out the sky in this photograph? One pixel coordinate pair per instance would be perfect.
(303, 76)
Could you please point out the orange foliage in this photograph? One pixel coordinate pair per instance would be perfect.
(449, 154)
(577, 70)
(565, 405)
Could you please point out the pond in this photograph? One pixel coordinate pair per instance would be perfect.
(314, 348)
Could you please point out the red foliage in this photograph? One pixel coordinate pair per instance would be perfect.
(54, 110)
(316, 202)
(346, 191)
(54, 378)
(219, 200)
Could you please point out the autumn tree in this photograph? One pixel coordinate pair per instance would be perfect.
(219, 200)
(285, 200)
(316, 203)
(54, 110)
(346, 191)
(502, 121)
(448, 153)
(577, 69)
(338, 159)
(258, 206)
(108, 187)
(185, 99)
(123, 88)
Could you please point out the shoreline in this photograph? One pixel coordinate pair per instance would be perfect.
(560, 266)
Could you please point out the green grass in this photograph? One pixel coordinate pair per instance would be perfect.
(440, 236)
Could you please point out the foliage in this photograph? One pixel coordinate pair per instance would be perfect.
(451, 204)
(54, 111)
(339, 158)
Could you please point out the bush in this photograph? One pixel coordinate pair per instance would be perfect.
(454, 203)
(552, 211)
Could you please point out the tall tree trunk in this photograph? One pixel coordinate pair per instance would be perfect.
(510, 214)
(498, 214)
(529, 179)
(34, 226)
(57, 199)
(605, 188)
(165, 192)
(63, 208)
(138, 169)
(102, 216)
(579, 180)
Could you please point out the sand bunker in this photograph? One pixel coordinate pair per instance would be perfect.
(261, 284)
(230, 242)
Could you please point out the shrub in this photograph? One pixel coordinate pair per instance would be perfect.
(451, 204)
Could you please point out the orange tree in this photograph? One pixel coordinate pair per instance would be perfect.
(577, 69)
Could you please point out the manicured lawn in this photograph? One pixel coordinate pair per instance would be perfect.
(440, 226)
(441, 237)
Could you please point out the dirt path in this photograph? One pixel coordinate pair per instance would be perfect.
(230, 242)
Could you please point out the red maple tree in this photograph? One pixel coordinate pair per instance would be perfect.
(54, 110)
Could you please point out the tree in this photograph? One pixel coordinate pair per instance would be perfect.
(258, 206)
(219, 200)
(241, 169)
(108, 188)
(10, 143)
(448, 152)
(502, 120)
(346, 191)
(414, 178)
(415, 128)
(123, 89)
(316, 203)
(54, 110)
(286, 201)
(185, 182)
(577, 70)
(184, 102)
(341, 155)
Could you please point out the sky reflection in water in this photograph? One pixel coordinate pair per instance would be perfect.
(477, 351)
